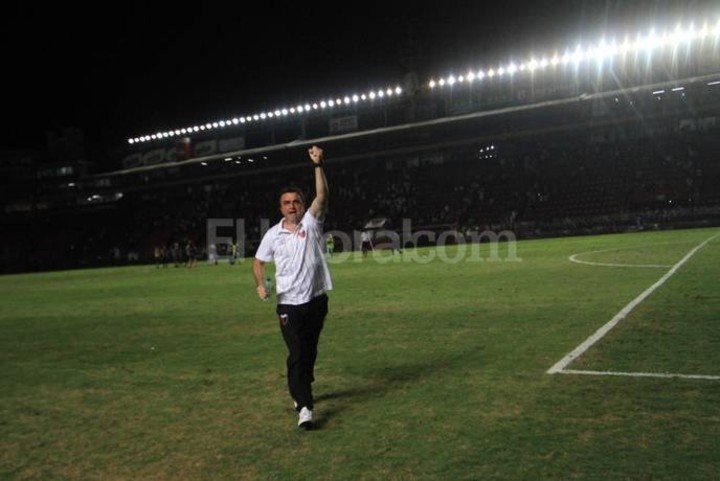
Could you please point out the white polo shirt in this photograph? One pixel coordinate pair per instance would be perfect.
(301, 271)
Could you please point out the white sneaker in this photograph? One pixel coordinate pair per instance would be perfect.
(305, 420)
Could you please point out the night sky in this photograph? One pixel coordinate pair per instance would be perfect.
(126, 69)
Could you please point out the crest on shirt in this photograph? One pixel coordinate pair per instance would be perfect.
(301, 234)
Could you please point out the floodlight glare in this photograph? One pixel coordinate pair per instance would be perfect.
(431, 84)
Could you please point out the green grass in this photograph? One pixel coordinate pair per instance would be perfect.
(426, 371)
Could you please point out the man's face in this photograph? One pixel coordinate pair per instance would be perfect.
(292, 207)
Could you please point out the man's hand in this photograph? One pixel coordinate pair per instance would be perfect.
(262, 293)
(316, 154)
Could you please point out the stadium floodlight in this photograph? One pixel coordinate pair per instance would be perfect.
(331, 103)
(131, 141)
(470, 76)
(323, 104)
(606, 50)
(292, 110)
(380, 93)
(346, 100)
(235, 121)
(263, 115)
(480, 74)
(256, 117)
(451, 80)
(389, 92)
(355, 98)
(315, 106)
(202, 127)
(221, 124)
(204, 164)
(678, 89)
(714, 82)
(242, 120)
(338, 101)
(512, 68)
(658, 92)
(299, 109)
(461, 79)
(363, 97)
(372, 95)
(215, 125)
(307, 107)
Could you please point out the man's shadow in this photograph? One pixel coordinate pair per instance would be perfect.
(382, 381)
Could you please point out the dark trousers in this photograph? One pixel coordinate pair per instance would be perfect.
(301, 326)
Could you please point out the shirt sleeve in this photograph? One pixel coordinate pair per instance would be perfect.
(310, 221)
(265, 251)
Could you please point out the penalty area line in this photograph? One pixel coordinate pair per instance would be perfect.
(663, 375)
(600, 333)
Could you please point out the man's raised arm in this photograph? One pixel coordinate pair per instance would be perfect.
(319, 204)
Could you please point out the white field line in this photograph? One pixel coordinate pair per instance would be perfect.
(573, 258)
(600, 333)
(665, 375)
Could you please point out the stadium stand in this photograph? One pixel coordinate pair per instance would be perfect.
(539, 159)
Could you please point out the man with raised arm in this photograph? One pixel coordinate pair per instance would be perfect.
(302, 279)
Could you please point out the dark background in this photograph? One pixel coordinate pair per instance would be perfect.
(124, 69)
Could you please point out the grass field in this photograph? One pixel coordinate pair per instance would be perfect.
(426, 371)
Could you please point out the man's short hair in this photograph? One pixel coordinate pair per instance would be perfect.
(296, 190)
